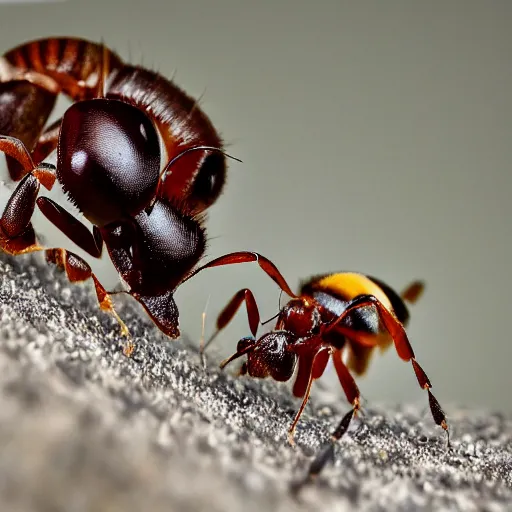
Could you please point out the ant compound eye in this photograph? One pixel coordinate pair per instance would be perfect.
(209, 180)
(108, 159)
(244, 343)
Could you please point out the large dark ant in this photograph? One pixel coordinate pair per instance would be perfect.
(106, 154)
(334, 315)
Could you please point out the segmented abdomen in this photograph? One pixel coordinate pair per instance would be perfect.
(75, 64)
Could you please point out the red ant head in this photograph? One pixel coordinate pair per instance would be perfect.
(300, 316)
(269, 356)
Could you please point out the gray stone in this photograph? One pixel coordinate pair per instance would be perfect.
(83, 428)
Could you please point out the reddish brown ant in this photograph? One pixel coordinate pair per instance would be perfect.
(106, 154)
(333, 315)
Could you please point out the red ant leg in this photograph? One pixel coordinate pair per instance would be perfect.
(361, 346)
(402, 346)
(78, 270)
(70, 226)
(326, 453)
(246, 257)
(310, 368)
(346, 380)
(47, 142)
(393, 326)
(252, 309)
(16, 150)
(305, 367)
(230, 310)
(413, 292)
(227, 314)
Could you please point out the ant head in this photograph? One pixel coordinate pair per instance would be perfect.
(269, 356)
(301, 317)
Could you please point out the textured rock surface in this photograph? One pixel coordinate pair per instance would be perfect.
(84, 428)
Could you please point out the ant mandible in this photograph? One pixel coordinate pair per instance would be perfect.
(334, 314)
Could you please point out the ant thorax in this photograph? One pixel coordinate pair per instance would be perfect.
(300, 316)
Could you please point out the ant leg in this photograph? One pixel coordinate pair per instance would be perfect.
(47, 142)
(78, 270)
(227, 314)
(403, 349)
(15, 151)
(25, 108)
(413, 292)
(246, 257)
(17, 235)
(252, 310)
(326, 453)
(347, 381)
(311, 367)
(71, 227)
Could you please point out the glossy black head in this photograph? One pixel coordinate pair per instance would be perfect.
(108, 159)
(271, 356)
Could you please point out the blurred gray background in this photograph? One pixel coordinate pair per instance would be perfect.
(375, 137)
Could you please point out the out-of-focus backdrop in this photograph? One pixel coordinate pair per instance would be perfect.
(376, 136)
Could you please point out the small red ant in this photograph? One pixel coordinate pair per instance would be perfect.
(334, 314)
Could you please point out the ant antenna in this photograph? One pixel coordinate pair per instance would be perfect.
(279, 310)
(271, 318)
(195, 148)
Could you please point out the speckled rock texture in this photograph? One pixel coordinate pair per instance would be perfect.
(83, 428)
